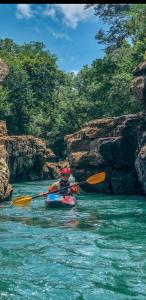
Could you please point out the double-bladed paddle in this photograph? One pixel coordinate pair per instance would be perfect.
(94, 179)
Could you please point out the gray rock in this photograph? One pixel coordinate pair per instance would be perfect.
(112, 145)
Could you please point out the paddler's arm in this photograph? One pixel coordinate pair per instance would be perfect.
(51, 189)
(54, 187)
(75, 189)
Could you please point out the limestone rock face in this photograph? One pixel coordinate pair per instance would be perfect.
(140, 162)
(23, 158)
(51, 157)
(5, 188)
(107, 145)
(3, 128)
(52, 169)
(27, 156)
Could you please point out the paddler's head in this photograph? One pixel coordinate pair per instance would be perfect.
(65, 174)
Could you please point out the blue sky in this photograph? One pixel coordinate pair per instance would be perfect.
(67, 30)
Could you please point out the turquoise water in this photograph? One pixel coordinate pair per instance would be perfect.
(96, 250)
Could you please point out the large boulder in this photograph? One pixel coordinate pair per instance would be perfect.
(52, 169)
(110, 145)
(27, 156)
(3, 128)
(140, 162)
(5, 187)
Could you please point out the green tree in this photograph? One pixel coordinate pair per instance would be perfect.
(115, 19)
(33, 78)
(4, 105)
(21, 100)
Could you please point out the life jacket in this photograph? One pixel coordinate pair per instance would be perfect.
(65, 185)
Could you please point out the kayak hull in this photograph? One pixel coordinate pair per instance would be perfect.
(59, 201)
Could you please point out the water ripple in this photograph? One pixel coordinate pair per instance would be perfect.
(96, 251)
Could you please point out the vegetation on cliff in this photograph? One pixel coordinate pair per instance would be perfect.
(37, 98)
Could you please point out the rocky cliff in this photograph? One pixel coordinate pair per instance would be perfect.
(21, 158)
(27, 158)
(140, 162)
(110, 145)
(27, 155)
(5, 187)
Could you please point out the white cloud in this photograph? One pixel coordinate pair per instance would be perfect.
(73, 13)
(59, 35)
(50, 12)
(24, 11)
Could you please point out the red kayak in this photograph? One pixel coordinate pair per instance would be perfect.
(60, 201)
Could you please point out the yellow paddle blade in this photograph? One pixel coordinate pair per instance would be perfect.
(97, 178)
(24, 200)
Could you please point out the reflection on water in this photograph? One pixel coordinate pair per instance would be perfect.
(96, 250)
(39, 222)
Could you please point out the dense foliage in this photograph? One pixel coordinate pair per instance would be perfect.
(39, 99)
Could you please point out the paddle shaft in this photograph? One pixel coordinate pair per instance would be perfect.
(94, 179)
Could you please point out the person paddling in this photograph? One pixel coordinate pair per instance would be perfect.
(64, 184)
(93, 179)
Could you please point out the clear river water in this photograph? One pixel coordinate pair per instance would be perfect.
(94, 251)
